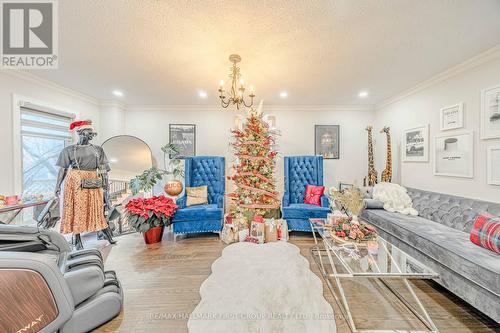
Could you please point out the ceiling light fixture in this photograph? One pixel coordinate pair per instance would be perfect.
(283, 94)
(118, 93)
(202, 94)
(236, 94)
(363, 94)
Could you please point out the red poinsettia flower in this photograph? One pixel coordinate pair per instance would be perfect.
(157, 205)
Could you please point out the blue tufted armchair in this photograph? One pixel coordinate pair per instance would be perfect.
(199, 171)
(300, 171)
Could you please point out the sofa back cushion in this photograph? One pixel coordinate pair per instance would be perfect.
(299, 172)
(206, 170)
(453, 211)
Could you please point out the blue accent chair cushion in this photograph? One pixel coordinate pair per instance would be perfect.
(299, 172)
(199, 171)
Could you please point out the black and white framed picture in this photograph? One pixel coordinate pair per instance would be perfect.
(327, 141)
(416, 144)
(454, 155)
(184, 137)
(452, 117)
(490, 113)
(493, 165)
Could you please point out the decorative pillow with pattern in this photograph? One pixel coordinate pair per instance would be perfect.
(486, 232)
(197, 195)
(313, 194)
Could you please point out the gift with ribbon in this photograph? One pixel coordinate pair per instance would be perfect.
(271, 230)
(229, 234)
(257, 229)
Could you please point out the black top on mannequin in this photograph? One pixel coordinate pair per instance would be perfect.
(86, 161)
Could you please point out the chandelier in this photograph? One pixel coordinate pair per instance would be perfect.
(236, 94)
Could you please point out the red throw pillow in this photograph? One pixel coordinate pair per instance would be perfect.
(486, 232)
(313, 195)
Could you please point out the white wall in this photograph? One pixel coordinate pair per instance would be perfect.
(423, 107)
(36, 90)
(296, 126)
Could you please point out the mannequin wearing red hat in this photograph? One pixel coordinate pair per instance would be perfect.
(84, 168)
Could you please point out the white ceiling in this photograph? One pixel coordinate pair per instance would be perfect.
(321, 52)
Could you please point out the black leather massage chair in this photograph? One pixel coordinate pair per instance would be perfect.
(46, 287)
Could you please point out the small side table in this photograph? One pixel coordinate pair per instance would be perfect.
(17, 209)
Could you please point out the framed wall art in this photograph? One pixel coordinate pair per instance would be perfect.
(454, 155)
(452, 117)
(415, 144)
(327, 141)
(493, 165)
(184, 136)
(490, 113)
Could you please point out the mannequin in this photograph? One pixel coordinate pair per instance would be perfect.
(84, 209)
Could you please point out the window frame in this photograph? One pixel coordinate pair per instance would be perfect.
(19, 102)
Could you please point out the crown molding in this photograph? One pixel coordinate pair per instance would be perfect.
(26, 76)
(484, 57)
(113, 103)
(275, 108)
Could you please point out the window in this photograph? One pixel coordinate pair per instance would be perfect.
(43, 136)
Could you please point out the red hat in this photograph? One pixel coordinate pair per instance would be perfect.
(78, 125)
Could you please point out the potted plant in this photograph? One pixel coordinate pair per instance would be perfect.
(174, 186)
(148, 178)
(150, 216)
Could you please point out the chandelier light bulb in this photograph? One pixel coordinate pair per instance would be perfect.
(221, 83)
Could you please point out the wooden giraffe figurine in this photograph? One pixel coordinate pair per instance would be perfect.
(386, 175)
(371, 179)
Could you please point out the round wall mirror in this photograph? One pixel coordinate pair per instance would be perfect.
(128, 156)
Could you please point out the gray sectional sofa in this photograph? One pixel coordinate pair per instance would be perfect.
(439, 237)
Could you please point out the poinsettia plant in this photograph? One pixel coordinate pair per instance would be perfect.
(147, 213)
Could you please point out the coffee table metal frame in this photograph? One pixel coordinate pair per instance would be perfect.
(332, 252)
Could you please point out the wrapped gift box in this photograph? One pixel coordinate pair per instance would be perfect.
(243, 234)
(270, 231)
(229, 234)
(257, 229)
(282, 230)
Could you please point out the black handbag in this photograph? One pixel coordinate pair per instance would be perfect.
(91, 183)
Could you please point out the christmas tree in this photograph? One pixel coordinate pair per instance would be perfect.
(253, 145)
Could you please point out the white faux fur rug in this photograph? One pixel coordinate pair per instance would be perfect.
(262, 288)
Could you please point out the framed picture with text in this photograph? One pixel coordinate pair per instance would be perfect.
(415, 144)
(454, 155)
(452, 117)
(184, 137)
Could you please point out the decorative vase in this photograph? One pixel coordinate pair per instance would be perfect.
(154, 235)
(173, 188)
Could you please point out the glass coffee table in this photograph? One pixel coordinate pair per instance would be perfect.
(377, 259)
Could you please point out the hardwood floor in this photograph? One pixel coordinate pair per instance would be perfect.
(161, 284)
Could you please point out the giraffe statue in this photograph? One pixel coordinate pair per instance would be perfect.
(386, 175)
(371, 179)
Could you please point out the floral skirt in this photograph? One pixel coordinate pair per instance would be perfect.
(83, 209)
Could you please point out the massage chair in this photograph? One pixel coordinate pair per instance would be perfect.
(47, 287)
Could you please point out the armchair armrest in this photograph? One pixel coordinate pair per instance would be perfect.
(285, 202)
(220, 201)
(181, 202)
(324, 201)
